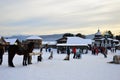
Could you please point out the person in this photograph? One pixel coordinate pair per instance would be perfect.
(68, 53)
(39, 58)
(41, 49)
(96, 51)
(51, 55)
(49, 49)
(93, 50)
(74, 52)
(78, 53)
(46, 47)
(104, 51)
(1, 53)
(30, 56)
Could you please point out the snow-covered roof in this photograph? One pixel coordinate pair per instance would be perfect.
(115, 40)
(102, 39)
(76, 41)
(49, 42)
(98, 33)
(11, 41)
(109, 38)
(106, 33)
(65, 44)
(118, 44)
(2, 41)
(34, 37)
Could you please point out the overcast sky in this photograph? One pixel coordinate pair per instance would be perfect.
(40, 17)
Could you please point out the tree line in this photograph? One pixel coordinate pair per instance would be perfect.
(110, 35)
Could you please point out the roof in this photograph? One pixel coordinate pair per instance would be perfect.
(49, 42)
(11, 41)
(34, 38)
(115, 40)
(107, 34)
(110, 39)
(76, 41)
(2, 41)
(98, 33)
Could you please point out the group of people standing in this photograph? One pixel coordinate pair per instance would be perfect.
(76, 53)
(96, 50)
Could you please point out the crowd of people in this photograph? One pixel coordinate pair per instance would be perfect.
(76, 51)
(95, 50)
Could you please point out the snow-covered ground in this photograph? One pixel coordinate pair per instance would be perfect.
(89, 67)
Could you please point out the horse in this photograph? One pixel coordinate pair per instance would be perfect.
(1, 53)
(20, 50)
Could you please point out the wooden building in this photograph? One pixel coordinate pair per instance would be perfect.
(13, 41)
(2, 40)
(104, 41)
(36, 39)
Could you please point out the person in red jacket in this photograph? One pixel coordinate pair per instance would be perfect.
(96, 51)
(74, 51)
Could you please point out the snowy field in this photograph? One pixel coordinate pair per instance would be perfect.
(89, 67)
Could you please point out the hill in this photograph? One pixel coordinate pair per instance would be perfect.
(51, 37)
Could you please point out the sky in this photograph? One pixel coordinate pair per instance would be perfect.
(42, 17)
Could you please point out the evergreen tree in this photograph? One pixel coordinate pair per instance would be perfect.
(68, 35)
(110, 34)
(118, 37)
(80, 35)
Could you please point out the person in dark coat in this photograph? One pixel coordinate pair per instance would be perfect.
(39, 58)
(1, 53)
(68, 54)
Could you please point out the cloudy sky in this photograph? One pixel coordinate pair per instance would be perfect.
(40, 17)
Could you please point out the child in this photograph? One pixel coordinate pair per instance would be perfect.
(78, 53)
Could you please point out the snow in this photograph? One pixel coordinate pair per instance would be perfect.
(34, 37)
(49, 42)
(89, 67)
(76, 41)
(11, 41)
(98, 33)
